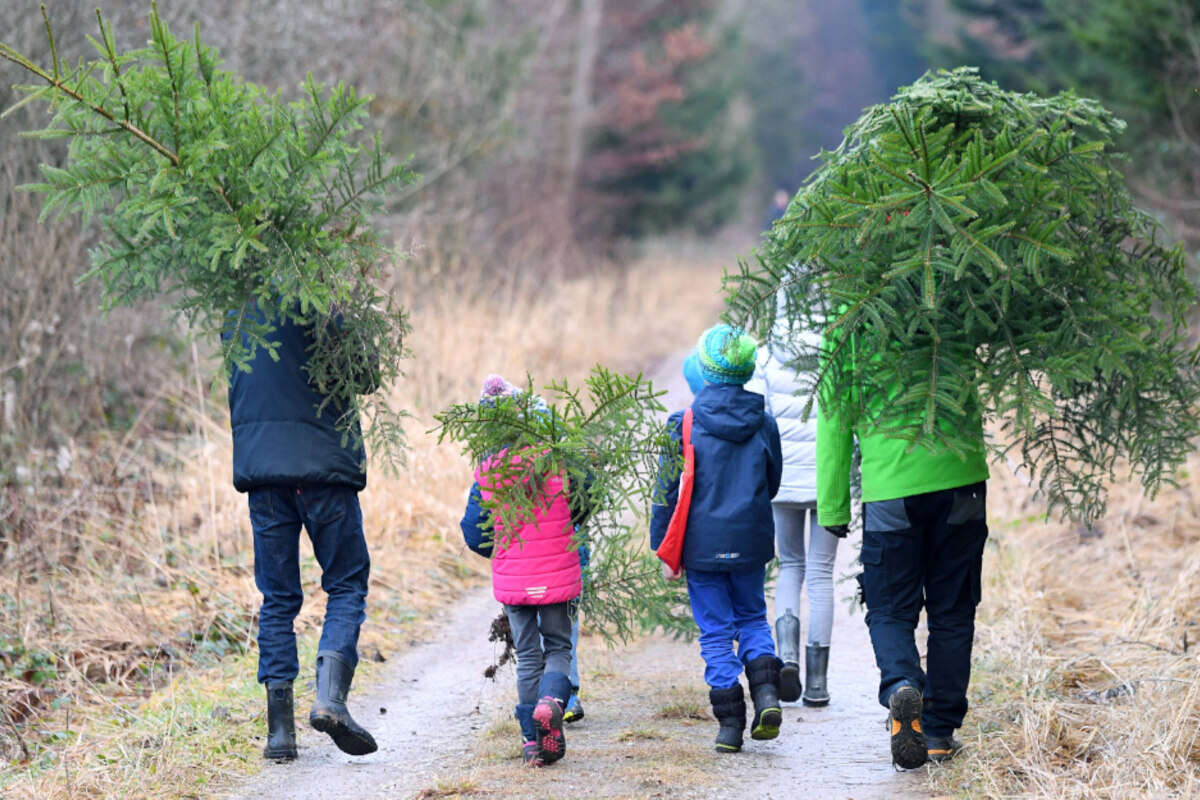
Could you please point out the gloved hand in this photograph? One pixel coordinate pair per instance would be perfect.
(840, 531)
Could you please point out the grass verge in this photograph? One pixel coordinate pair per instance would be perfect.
(1086, 670)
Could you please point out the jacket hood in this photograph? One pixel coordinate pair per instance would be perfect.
(728, 411)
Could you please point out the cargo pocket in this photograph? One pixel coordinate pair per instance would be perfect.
(969, 505)
(872, 582)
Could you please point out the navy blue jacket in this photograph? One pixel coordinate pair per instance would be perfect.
(738, 467)
(277, 436)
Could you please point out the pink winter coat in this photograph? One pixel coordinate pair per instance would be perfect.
(537, 567)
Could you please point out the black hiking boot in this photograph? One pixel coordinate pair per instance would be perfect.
(281, 723)
(816, 664)
(904, 724)
(763, 674)
(329, 713)
(729, 707)
(942, 748)
(787, 638)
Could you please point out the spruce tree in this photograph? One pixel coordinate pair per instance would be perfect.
(607, 440)
(969, 250)
(220, 195)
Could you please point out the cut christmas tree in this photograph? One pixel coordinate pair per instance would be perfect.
(237, 206)
(968, 250)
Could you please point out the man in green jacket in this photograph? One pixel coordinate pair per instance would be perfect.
(924, 528)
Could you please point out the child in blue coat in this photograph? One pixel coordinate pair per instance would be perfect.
(730, 534)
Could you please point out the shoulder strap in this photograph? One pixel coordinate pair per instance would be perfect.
(687, 427)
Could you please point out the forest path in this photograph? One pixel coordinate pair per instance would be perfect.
(447, 730)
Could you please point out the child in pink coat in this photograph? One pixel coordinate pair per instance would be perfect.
(535, 574)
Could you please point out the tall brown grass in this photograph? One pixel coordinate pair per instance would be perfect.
(159, 583)
(1086, 658)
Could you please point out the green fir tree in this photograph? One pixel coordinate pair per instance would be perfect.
(606, 439)
(221, 195)
(968, 249)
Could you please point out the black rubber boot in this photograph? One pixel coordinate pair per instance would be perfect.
(329, 713)
(787, 639)
(904, 725)
(816, 665)
(729, 707)
(281, 723)
(763, 674)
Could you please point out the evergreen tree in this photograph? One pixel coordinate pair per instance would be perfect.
(606, 439)
(221, 195)
(663, 147)
(971, 250)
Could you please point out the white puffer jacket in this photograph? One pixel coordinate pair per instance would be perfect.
(786, 394)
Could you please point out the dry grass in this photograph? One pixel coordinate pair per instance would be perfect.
(1086, 672)
(143, 619)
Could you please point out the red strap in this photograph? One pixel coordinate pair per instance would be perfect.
(671, 548)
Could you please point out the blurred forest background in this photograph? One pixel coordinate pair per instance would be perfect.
(558, 141)
(548, 132)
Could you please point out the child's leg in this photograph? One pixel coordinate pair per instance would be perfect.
(554, 689)
(757, 650)
(748, 614)
(555, 623)
(712, 608)
(789, 542)
(822, 552)
(523, 620)
(573, 672)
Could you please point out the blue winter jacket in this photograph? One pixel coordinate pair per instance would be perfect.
(277, 436)
(738, 467)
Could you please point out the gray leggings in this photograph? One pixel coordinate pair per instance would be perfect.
(542, 636)
(795, 569)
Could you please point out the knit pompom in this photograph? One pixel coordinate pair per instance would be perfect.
(495, 386)
(726, 355)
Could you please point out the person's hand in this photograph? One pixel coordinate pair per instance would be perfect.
(671, 574)
(840, 531)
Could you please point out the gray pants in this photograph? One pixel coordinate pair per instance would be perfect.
(796, 567)
(542, 636)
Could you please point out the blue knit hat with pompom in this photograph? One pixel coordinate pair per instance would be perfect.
(727, 355)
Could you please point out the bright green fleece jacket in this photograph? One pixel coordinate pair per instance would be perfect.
(891, 467)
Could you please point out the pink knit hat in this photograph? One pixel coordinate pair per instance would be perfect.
(495, 386)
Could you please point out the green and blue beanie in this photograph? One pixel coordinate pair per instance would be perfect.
(727, 355)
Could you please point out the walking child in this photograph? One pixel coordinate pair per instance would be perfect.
(794, 509)
(536, 575)
(729, 534)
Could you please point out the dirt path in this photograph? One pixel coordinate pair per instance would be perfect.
(448, 732)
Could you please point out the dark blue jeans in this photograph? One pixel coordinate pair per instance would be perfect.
(729, 608)
(332, 517)
(925, 550)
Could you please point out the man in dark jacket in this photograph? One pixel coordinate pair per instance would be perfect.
(730, 534)
(298, 472)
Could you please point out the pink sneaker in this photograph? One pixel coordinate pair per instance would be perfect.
(548, 716)
(531, 755)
